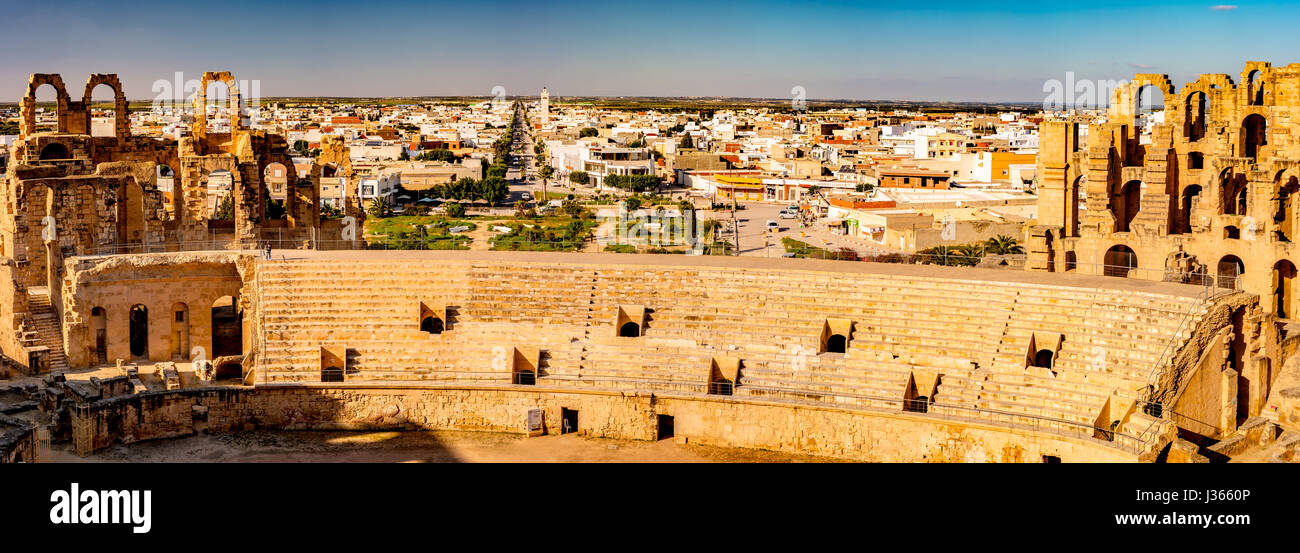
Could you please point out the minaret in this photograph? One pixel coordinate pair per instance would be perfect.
(546, 106)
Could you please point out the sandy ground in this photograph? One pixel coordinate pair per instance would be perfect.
(417, 447)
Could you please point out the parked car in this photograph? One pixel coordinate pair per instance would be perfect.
(773, 225)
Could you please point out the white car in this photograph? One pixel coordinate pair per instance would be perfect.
(773, 225)
(788, 215)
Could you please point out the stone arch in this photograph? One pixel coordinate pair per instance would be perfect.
(1186, 204)
(98, 336)
(1119, 261)
(27, 106)
(1284, 273)
(201, 101)
(1125, 204)
(121, 113)
(54, 151)
(1284, 210)
(837, 343)
(1195, 108)
(1230, 269)
(275, 181)
(1233, 188)
(130, 214)
(1254, 134)
(1254, 84)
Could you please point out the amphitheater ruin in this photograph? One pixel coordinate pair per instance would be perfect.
(105, 289)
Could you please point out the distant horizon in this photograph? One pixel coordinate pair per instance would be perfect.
(1002, 51)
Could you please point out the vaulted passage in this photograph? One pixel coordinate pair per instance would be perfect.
(227, 327)
(836, 343)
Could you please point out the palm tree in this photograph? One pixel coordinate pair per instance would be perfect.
(1003, 245)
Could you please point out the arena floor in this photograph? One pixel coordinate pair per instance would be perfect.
(418, 447)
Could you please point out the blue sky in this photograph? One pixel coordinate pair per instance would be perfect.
(979, 51)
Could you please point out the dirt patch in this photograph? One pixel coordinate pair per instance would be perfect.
(418, 447)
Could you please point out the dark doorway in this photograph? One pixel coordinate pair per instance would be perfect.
(227, 327)
(331, 374)
(139, 331)
(431, 324)
(665, 425)
(1043, 358)
(1051, 459)
(836, 343)
(629, 330)
(101, 346)
(568, 420)
(54, 150)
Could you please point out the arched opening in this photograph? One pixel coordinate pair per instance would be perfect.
(431, 325)
(1234, 193)
(139, 332)
(837, 343)
(1185, 213)
(1283, 217)
(1230, 270)
(47, 109)
(217, 106)
(130, 213)
(276, 179)
(629, 330)
(1149, 107)
(227, 327)
(102, 110)
(1254, 89)
(180, 334)
(1126, 205)
(1231, 233)
(1254, 133)
(1044, 358)
(1119, 261)
(219, 186)
(1284, 273)
(54, 150)
(99, 335)
(1195, 116)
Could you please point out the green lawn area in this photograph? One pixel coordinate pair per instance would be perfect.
(404, 232)
(554, 234)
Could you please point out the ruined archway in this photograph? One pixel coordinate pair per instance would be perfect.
(1234, 198)
(130, 216)
(1254, 134)
(1230, 269)
(54, 151)
(1126, 204)
(1119, 261)
(1194, 116)
(1284, 214)
(837, 343)
(1284, 273)
(1185, 207)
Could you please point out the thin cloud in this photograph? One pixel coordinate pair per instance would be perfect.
(1223, 8)
(1140, 65)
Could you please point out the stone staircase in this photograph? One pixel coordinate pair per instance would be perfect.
(45, 329)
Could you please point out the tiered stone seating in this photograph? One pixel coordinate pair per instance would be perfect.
(974, 334)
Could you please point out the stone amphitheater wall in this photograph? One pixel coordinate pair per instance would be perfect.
(877, 437)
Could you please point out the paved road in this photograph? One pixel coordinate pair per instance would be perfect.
(755, 240)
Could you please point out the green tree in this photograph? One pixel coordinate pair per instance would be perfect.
(580, 178)
(380, 208)
(225, 209)
(455, 210)
(588, 132)
(1003, 245)
(686, 142)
